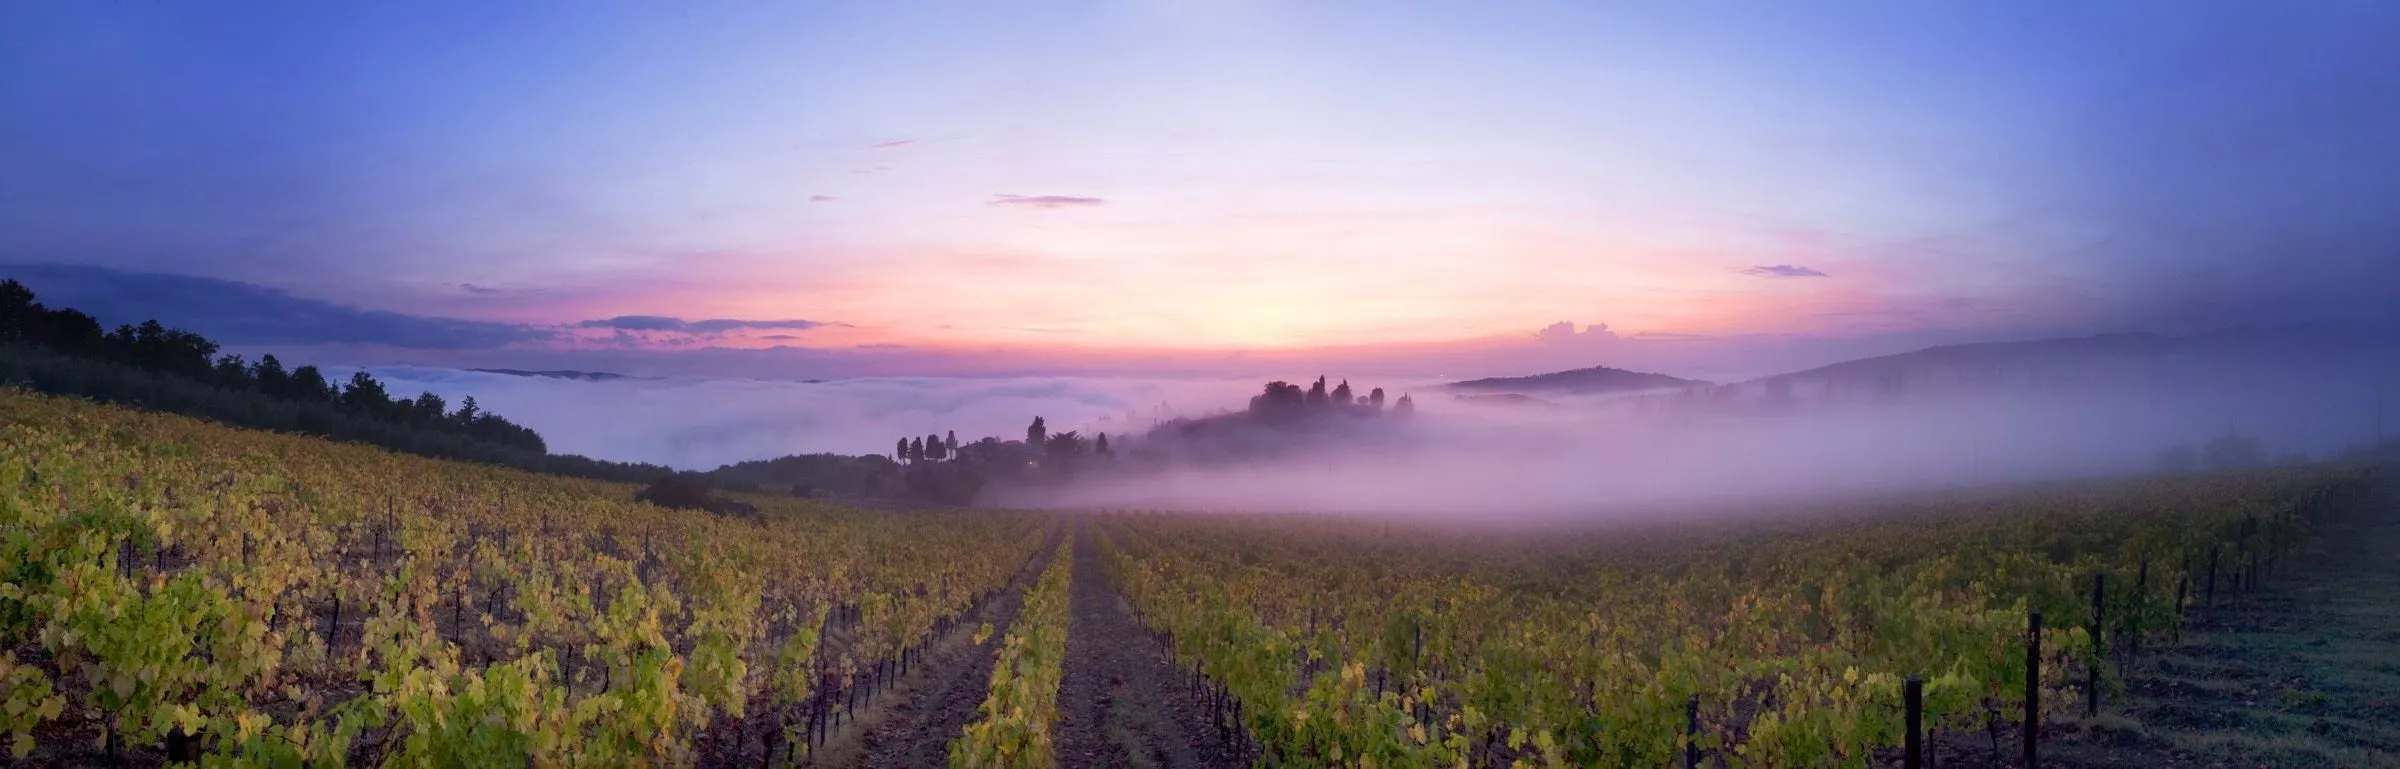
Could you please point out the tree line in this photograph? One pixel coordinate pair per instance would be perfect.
(64, 351)
(1039, 443)
(1284, 400)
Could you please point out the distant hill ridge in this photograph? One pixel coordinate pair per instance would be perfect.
(2321, 341)
(1583, 381)
(1998, 353)
(2294, 341)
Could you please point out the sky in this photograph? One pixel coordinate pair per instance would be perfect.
(1212, 187)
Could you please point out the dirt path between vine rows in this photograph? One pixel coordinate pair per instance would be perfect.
(1123, 703)
(2302, 672)
(913, 724)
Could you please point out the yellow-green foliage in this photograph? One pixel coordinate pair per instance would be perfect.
(1023, 703)
(1350, 643)
(184, 575)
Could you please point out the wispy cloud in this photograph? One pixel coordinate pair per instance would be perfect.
(1783, 271)
(475, 289)
(822, 198)
(892, 145)
(1045, 201)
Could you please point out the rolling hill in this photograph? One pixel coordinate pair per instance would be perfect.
(1597, 380)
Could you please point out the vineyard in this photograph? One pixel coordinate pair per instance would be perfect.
(1780, 643)
(176, 591)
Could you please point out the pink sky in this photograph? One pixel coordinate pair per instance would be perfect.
(961, 186)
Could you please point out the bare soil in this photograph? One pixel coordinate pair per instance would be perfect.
(914, 723)
(1123, 702)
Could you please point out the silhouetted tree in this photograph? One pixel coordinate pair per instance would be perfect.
(428, 410)
(231, 372)
(1316, 393)
(1375, 398)
(365, 396)
(19, 314)
(934, 448)
(272, 379)
(1341, 394)
(1100, 446)
(916, 450)
(1404, 407)
(1066, 444)
(950, 440)
(309, 384)
(1279, 398)
(70, 332)
(900, 453)
(1036, 433)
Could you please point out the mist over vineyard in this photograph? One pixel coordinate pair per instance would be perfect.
(1467, 461)
(1549, 456)
(1199, 385)
(697, 423)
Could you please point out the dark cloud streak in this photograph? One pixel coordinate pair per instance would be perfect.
(1045, 201)
(1783, 271)
(710, 326)
(238, 313)
(247, 313)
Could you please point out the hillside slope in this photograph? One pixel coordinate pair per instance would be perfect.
(1596, 380)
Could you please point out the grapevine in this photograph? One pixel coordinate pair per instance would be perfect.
(1023, 699)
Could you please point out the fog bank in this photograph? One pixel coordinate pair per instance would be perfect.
(699, 423)
(1757, 442)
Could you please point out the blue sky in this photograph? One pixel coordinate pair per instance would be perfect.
(1097, 184)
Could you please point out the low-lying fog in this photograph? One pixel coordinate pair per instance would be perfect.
(699, 423)
(1470, 459)
(1553, 455)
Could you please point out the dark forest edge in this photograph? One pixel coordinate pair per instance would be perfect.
(64, 351)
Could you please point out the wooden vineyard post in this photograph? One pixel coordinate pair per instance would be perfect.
(1691, 733)
(1416, 651)
(2274, 543)
(2033, 687)
(1912, 754)
(2183, 590)
(2212, 580)
(182, 747)
(2091, 679)
(2247, 558)
(2141, 605)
